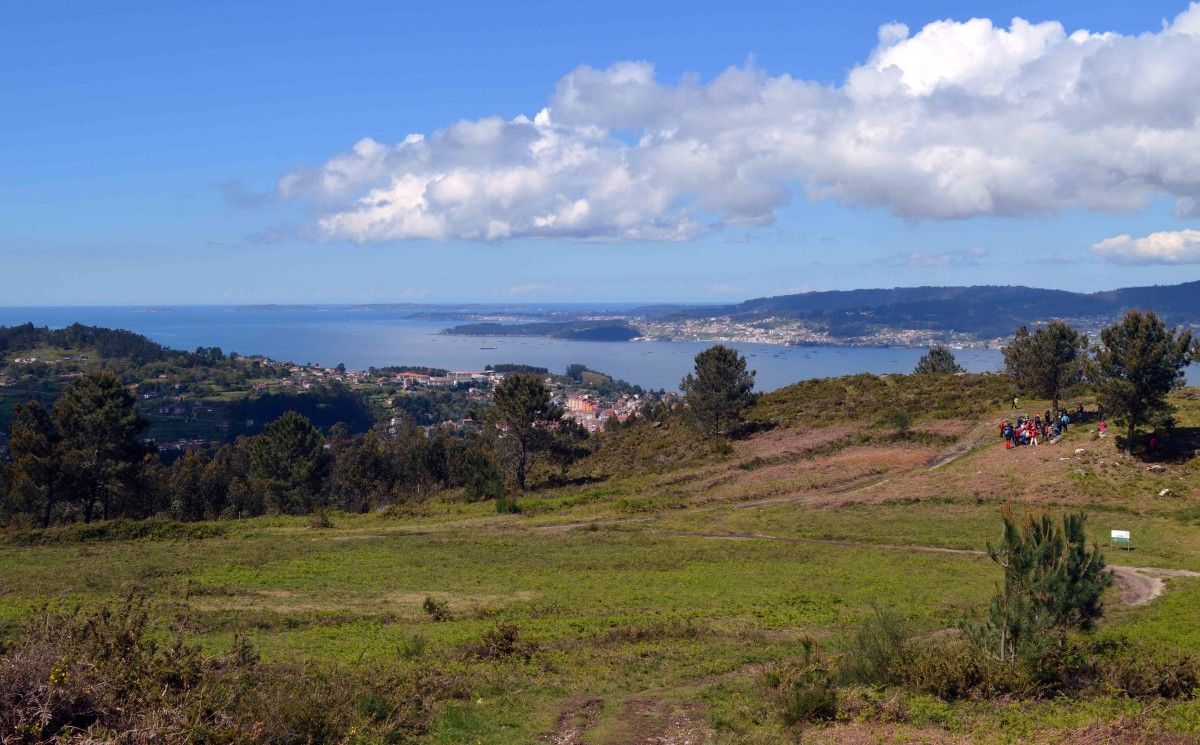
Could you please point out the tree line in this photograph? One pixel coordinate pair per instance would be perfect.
(1136, 363)
(84, 458)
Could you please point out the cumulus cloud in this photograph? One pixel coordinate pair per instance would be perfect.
(1166, 247)
(957, 120)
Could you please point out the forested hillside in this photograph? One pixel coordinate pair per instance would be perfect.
(985, 311)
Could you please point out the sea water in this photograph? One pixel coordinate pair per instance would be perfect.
(362, 337)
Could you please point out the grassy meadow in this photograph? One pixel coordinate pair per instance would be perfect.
(651, 594)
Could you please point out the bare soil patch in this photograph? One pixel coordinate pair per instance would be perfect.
(873, 733)
(655, 721)
(784, 440)
(578, 716)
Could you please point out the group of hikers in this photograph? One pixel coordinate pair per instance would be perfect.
(1027, 430)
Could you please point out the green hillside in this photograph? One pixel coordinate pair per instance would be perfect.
(666, 591)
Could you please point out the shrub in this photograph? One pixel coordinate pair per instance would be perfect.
(955, 670)
(878, 651)
(501, 641)
(153, 529)
(437, 610)
(506, 504)
(111, 676)
(320, 519)
(1127, 668)
(804, 691)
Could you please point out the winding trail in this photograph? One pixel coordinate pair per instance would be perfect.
(1137, 585)
(657, 722)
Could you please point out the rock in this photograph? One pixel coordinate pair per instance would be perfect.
(1165, 493)
(1157, 468)
(1080, 451)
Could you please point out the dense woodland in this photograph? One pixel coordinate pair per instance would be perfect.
(84, 458)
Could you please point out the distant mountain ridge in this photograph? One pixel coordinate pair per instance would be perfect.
(985, 311)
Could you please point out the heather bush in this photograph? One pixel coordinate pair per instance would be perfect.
(111, 676)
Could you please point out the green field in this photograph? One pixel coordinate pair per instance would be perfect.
(653, 601)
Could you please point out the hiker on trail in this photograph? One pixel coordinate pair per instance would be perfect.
(1007, 432)
(1103, 428)
(1016, 403)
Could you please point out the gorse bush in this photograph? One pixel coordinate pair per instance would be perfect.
(320, 519)
(1124, 667)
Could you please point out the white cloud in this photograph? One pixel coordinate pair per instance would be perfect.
(958, 120)
(1166, 247)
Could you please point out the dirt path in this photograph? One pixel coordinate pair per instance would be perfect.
(654, 721)
(651, 720)
(960, 449)
(578, 715)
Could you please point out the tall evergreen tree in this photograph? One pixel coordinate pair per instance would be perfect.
(1138, 362)
(101, 431)
(569, 443)
(364, 473)
(1048, 361)
(36, 450)
(939, 360)
(482, 480)
(289, 460)
(719, 390)
(523, 410)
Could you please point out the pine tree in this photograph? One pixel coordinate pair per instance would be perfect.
(939, 360)
(1138, 363)
(101, 430)
(37, 469)
(289, 461)
(1048, 361)
(1052, 584)
(719, 390)
(523, 410)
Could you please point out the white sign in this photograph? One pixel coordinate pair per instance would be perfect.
(1120, 536)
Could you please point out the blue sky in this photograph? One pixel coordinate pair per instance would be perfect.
(144, 147)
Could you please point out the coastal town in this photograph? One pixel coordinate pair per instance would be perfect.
(187, 412)
(790, 332)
